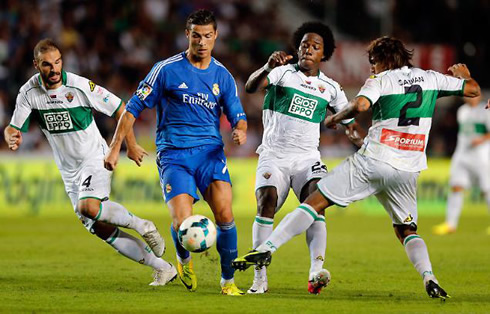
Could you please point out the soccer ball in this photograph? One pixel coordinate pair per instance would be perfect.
(197, 233)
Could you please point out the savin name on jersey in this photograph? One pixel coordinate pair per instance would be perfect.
(303, 106)
(415, 80)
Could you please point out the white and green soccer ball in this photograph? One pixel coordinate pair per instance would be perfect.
(197, 233)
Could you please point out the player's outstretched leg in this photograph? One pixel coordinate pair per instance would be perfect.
(318, 280)
(419, 256)
(226, 244)
(136, 250)
(184, 264)
(116, 214)
(294, 223)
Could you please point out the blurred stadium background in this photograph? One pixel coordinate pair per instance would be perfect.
(115, 43)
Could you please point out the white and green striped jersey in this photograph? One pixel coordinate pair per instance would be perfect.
(65, 117)
(294, 107)
(403, 102)
(473, 122)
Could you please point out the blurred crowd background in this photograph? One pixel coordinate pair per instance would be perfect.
(116, 42)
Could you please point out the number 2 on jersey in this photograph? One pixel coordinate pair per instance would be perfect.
(403, 120)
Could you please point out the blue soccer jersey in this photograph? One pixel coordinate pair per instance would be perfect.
(188, 101)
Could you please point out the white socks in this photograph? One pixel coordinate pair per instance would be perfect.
(135, 250)
(454, 207)
(316, 238)
(261, 230)
(293, 224)
(117, 215)
(419, 256)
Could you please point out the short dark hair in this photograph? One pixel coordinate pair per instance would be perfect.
(318, 28)
(45, 45)
(201, 17)
(390, 52)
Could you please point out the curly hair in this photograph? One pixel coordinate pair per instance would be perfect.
(318, 28)
(390, 52)
(201, 17)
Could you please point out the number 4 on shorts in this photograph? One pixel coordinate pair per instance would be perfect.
(86, 182)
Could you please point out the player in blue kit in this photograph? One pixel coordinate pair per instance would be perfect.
(189, 91)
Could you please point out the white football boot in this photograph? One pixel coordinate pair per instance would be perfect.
(259, 286)
(163, 276)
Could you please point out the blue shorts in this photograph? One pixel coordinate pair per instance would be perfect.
(186, 170)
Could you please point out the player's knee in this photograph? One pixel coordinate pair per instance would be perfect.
(266, 202)
(266, 210)
(103, 230)
(403, 231)
(224, 215)
(89, 207)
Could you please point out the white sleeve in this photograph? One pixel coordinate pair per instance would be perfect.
(448, 85)
(20, 118)
(274, 76)
(100, 98)
(371, 89)
(339, 102)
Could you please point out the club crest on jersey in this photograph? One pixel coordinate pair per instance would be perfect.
(168, 188)
(144, 91)
(321, 88)
(69, 96)
(215, 89)
(91, 85)
(303, 106)
(267, 175)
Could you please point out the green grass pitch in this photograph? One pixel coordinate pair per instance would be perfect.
(49, 263)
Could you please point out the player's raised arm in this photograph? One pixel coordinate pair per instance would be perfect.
(124, 125)
(471, 87)
(135, 151)
(258, 79)
(13, 137)
(355, 106)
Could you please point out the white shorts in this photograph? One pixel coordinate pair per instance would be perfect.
(91, 181)
(360, 176)
(466, 172)
(293, 171)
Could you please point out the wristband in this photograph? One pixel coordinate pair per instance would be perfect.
(267, 68)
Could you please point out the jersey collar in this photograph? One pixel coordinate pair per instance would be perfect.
(296, 66)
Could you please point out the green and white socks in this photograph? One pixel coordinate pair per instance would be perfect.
(294, 223)
(135, 249)
(115, 214)
(419, 256)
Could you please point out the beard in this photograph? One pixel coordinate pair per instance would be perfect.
(47, 78)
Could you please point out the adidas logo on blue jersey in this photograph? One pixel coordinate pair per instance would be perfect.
(183, 86)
